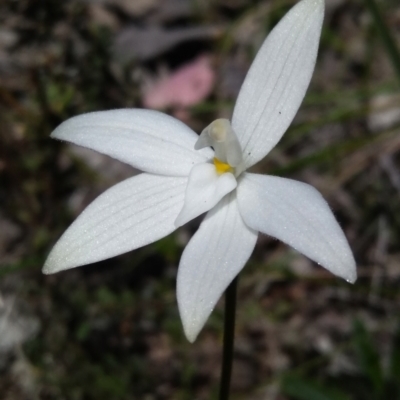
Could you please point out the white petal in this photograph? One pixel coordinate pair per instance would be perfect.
(131, 214)
(297, 214)
(148, 140)
(204, 190)
(277, 80)
(214, 256)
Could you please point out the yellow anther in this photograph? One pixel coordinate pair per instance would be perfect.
(222, 167)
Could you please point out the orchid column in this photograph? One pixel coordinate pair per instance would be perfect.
(186, 175)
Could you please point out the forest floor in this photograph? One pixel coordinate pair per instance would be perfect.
(111, 330)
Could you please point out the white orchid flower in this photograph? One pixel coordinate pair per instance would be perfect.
(186, 175)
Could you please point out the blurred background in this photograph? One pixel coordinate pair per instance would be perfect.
(111, 330)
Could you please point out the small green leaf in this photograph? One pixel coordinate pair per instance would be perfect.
(394, 368)
(302, 389)
(83, 331)
(368, 357)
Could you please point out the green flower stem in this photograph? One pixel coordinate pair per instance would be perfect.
(386, 36)
(229, 338)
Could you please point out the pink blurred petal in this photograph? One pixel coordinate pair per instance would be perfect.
(185, 87)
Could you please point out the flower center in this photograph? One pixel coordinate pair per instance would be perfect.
(221, 137)
(209, 182)
(222, 167)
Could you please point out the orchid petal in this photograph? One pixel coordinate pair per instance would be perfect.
(214, 256)
(131, 214)
(277, 80)
(296, 213)
(204, 190)
(148, 140)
